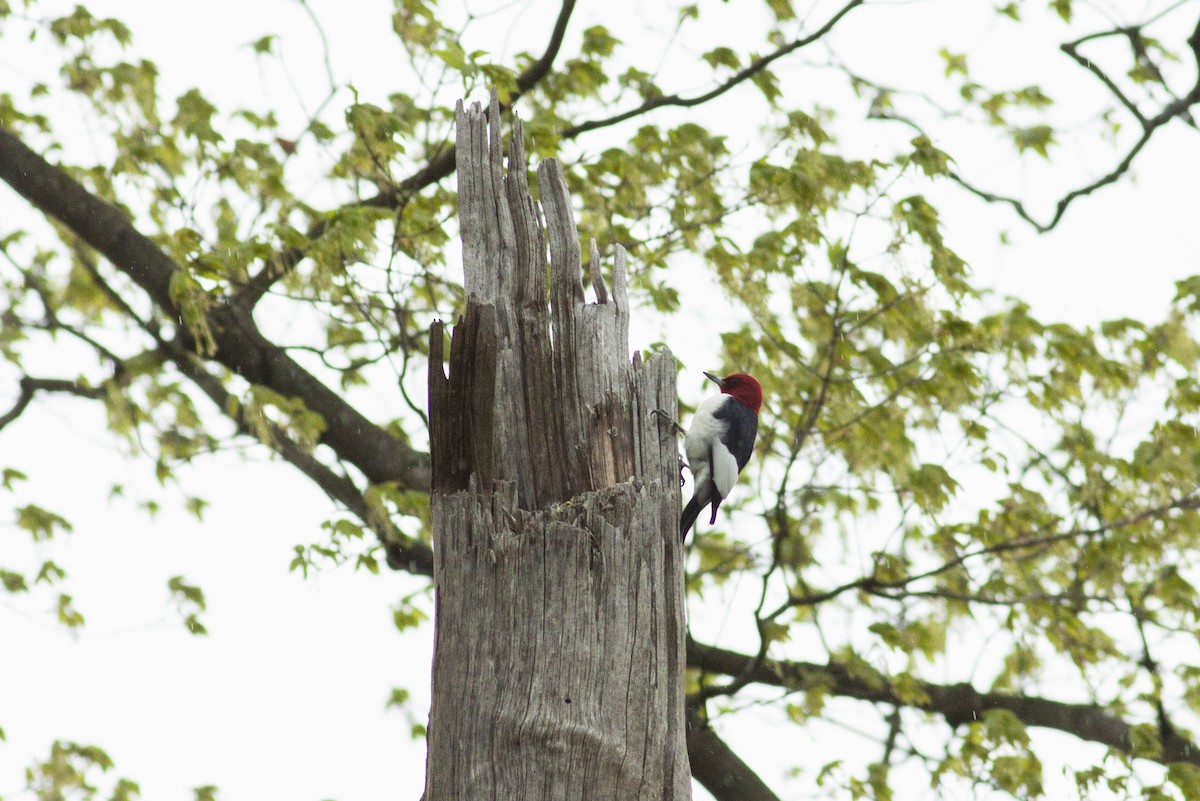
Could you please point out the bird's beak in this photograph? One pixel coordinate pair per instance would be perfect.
(716, 379)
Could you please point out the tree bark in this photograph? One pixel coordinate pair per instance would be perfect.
(559, 632)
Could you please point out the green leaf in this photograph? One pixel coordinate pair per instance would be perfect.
(264, 45)
(1037, 138)
(399, 698)
(955, 63)
(782, 9)
(1002, 726)
(188, 592)
(723, 57)
(1020, 775)
(1186, 777)
(300, 561)
(931, 160)
(9, 476)
(774, 632)
(1010, 10)
(1062, 8)
(125, 790)
(768, 84)
(1144, 741)
(40, 523)
(598, 42)
(452, 55)
(49, 573)
(13, 582)
(932, 487)
(197, 506)
(190, 600)
(68, 615)
(194, 117)
(407, 616)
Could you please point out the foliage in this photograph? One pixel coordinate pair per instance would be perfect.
(937, 467)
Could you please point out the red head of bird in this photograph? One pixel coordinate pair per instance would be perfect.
(743, 388)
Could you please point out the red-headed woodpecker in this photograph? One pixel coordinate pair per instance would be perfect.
(719, 443)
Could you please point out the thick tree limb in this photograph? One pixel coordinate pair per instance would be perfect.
(718, 769)
(957, 703)
(241, 347)
(402, 553)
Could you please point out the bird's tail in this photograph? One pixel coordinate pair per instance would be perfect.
(688, 518)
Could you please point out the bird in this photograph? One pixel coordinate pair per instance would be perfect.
(719, 443)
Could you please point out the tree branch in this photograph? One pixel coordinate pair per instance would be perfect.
(24, 396)
(240, 346)
(29, 386)
(442, 164)
(898, 588)
(718, 769)
(1066, 200)
(1178, 108)
(401, 553)
(439, 166)
(1072, 50)
(957, 703)
(741, 77)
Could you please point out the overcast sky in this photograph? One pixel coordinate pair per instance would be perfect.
(250, 707)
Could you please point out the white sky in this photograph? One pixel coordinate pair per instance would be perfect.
(285, 698)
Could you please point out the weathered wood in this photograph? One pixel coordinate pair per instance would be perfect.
(559, 646)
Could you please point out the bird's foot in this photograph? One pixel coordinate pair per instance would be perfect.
(663, 417)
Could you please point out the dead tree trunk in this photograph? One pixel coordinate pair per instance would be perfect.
(559, 652)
